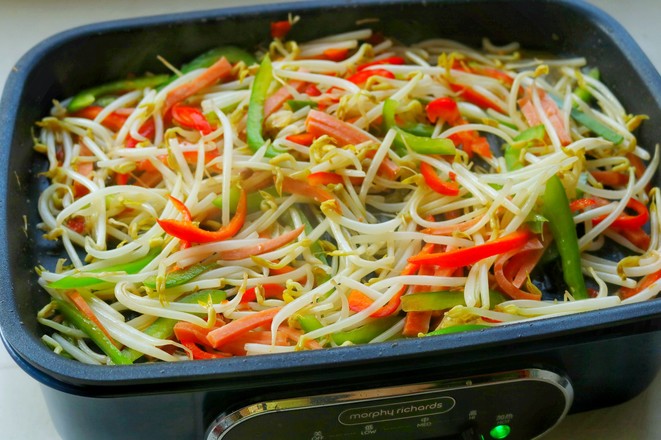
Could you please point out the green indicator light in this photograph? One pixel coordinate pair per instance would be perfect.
(500, 431)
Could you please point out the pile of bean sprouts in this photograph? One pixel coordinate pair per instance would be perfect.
(370, 229)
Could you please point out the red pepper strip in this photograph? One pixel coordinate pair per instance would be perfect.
(294, 186)
(240, 327)
(146, 130)
(276, 100)
(192, 336)
(327, 177)
(362, 76)
(434, 182)
(198, 354)
(114, 121)
(188, 231)
(191, 117)
(446, 109)
(491, 73)
(389, 60)
(324, 178)
(312, 90)
(76, 224)
(637, 236)
(270, 291)
(474, 97)
(358, 301)
(626, 221)
(319, 123)
(639, 168)
(581, 204)
(336, 54)
(610, 178)
(480, 145)
(644, 283)
(279, 29)
(191, 156)
(183, 209)
(471, 255)
(301, 138)
(121, 178)
(510, 265)
(258, 249)
(221, 69)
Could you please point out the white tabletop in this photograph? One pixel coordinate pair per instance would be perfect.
(23, 412)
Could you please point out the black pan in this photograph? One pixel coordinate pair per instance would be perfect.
(608, 356)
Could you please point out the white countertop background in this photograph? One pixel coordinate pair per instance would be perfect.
(24, 23)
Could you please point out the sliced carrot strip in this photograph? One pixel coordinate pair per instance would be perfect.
(645, 282)
(553, 113)
(319, 123)
(221, 69)
(277, 100)
(258, 249)
(532, 251)
(416, 323)
(241, 326)
(294, 186)
(78, 300)
(358, 301)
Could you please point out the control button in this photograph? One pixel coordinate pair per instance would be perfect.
(500, 432)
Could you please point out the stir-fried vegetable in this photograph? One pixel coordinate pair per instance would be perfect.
(340, 191)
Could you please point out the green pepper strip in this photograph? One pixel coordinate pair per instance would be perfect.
(315, 248)
(592, 124)
(365, 333)
(419, 129)
(595, 126)
(309, 323)
(561, 222)
(297, 104)
(255, 119)
(72, 282)
(163, 328)
(88, 327)
(88, 96)
(457, 329)
(584, 94)
(512, 152)
(233, 54)
(441, 300)
(253, 200)
(179, 277)
(419, 144)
